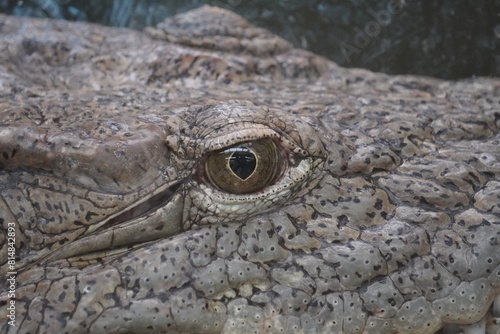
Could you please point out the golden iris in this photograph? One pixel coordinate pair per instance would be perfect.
(243, 168)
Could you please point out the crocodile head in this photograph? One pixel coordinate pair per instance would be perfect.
(195, 178)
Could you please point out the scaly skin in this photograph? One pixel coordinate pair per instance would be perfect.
(384, 215)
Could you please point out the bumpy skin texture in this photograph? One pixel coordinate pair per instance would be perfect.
(384, 219)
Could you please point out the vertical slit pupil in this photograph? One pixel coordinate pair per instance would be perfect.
(242, 162)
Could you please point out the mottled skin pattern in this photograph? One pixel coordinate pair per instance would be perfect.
(384, 216)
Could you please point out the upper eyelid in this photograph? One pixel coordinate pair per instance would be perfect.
(220, 142)
(253, 131)
(244, 135)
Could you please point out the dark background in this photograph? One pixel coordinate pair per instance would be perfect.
(442, 38)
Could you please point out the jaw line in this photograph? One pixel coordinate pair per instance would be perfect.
(158, 216)
(140, 208)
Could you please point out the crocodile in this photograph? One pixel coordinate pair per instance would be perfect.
(205, 176)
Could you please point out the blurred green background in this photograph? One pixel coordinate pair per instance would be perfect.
(442, 38)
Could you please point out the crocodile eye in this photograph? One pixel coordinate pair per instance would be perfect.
(243, 168)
